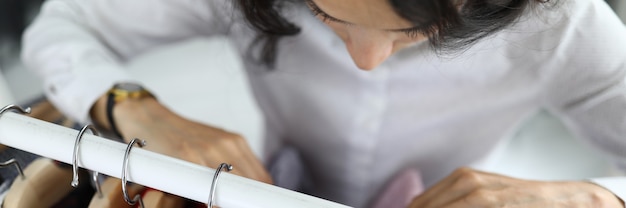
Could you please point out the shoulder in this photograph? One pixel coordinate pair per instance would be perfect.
(567, 29)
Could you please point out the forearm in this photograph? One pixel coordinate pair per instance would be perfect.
(128, 114)
(170, 134)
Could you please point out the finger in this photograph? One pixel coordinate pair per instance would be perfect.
(216, 158)
(479, 198)
(253, 166)
(256, 163)
(229, 152)
(455, 186)
(425, 198)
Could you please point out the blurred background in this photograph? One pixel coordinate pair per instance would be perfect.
(14, 17)
(538, 151)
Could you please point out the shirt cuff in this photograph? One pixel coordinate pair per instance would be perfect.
(75, 94)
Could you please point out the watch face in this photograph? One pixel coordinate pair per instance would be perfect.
(131, 87)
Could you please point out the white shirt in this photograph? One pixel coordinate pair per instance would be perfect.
(356, 129)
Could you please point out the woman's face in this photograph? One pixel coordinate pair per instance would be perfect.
(371, 29)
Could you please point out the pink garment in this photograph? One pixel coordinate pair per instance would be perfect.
(401, 190)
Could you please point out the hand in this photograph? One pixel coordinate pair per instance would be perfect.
(170, 134)
(470, 188)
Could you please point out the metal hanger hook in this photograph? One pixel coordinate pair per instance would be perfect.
(75, 155)
(137, 197)
(13, 161)
(95, 183)
(17, 166)
(216, 176)
(15, 108)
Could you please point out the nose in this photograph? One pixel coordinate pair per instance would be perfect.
(368, 48)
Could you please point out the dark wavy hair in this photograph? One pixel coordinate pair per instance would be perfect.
(450, 25)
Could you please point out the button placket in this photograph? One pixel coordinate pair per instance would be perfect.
(367, 127)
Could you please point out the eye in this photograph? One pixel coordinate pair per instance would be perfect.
(411, 32)
(319, 13)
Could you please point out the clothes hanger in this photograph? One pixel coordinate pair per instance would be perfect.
(42, 184)
(113, 196)
(116, 192)
(46, 183)
(159, 199)
(13, 108)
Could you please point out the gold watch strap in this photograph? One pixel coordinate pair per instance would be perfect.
(116, 95)
(121, 95)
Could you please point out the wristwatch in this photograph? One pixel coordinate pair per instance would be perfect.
(121, 92)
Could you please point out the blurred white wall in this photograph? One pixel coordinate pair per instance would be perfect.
(24, 85)
(5, 92)
(543, 149)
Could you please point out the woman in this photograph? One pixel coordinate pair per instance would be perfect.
(441, 83)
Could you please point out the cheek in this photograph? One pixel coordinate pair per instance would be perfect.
(340, 30)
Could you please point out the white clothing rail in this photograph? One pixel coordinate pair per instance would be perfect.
(147, 168)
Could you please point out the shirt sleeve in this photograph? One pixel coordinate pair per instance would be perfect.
(78, 47)
(586, 86)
